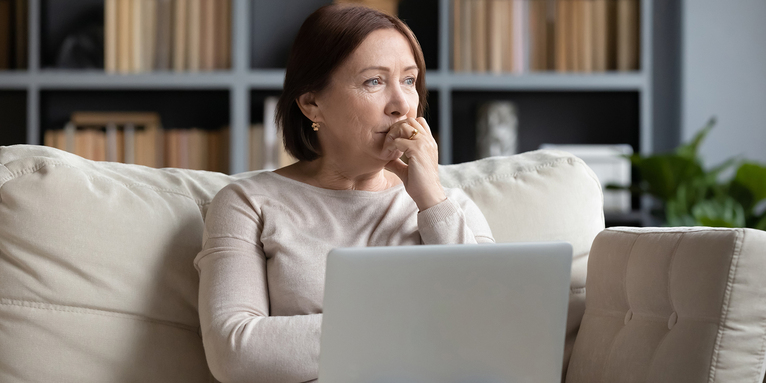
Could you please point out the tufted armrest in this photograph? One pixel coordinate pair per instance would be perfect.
(673, 305)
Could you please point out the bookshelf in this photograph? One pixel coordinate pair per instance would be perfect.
(607, 107)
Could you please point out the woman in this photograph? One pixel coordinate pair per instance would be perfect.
(352, 105)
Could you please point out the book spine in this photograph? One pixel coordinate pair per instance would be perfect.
(194, 41)
(180, 35)
(479, 32)
(456, 32)
(130, 144)
(110, 36)
(137, 29)
(519, 17)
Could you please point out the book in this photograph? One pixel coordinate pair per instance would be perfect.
(198, 149)
(628, 35)
(586, 46)
(195, 39)
(457, 61)
(222, 47)
(208, 34)
(256, 147)
(497, 35)
(164, 36)
(518, 23)
(137, 26)
(218, 150)
(110, 36)
(600, 35)
(562, 33)
(149, 35)
(479, 35)
(538, 35)
(180, 35)
(140, 141)
(5, 34)
(124, 36)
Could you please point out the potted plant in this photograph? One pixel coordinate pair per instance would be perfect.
(691, 195)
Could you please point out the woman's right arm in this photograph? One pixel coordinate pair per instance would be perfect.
(242, 342)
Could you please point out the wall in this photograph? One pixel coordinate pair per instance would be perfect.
(723, 64)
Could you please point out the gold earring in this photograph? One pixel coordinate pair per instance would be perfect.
(315, 125)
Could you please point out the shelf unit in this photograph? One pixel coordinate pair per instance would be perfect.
(250, 76)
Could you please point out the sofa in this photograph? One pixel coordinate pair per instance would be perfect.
(97, 282)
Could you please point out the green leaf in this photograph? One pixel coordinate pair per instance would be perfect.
(761, 225)
(689, 150)
(753, 177)
(719, 213)
(663, 173)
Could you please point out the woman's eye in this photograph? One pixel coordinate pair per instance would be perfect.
(409, 81)
(373, 81)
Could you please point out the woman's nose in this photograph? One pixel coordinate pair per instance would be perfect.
(397, 102)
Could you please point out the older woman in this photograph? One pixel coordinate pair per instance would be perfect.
(352, 105)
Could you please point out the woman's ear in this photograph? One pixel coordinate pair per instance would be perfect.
(308, 105)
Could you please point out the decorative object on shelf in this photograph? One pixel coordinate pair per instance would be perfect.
(182, 35)
(517, 36)
(693, 196)
(388, 6)
(82, 49)
(497, 129)
(612, 167)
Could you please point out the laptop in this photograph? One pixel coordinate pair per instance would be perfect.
(445, 313)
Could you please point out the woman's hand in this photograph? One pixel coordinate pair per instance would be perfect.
(421, 172)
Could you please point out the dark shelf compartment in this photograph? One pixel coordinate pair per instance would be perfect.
(206, 109)
(13, 117)
(274, 26)
(573, 117)
(61, 18)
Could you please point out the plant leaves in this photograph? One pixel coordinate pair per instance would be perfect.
(664, 172)
(761, 225)
(689, 150)
(719, 213)
(753, 177)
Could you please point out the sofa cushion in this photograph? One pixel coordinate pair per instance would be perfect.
(543, 195)
(673, 305)
(96, 276)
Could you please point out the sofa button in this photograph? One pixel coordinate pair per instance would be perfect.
(628, 316)
(672, 321)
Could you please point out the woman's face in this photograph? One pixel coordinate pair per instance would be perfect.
(371, 90)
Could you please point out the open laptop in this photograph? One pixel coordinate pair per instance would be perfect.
(450, 313)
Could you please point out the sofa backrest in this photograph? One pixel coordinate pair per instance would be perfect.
(96, 275)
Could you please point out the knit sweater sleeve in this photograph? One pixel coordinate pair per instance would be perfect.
(456, 220)
(241, 341)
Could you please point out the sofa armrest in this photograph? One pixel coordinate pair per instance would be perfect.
(673, 305)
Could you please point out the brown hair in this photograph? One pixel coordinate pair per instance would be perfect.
(325, 40)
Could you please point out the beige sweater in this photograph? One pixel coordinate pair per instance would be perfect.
(262, 265)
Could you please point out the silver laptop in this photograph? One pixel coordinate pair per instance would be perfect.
(458, 313)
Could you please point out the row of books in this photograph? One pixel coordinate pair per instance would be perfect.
(178, 35)
(13, 34)
(521, 36)
(138, 138)
(388, 6)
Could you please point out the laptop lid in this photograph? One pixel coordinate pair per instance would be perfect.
(447, 313)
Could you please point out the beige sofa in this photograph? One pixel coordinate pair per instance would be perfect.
(97, 282)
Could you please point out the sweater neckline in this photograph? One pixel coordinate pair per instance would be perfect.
(335, 192)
